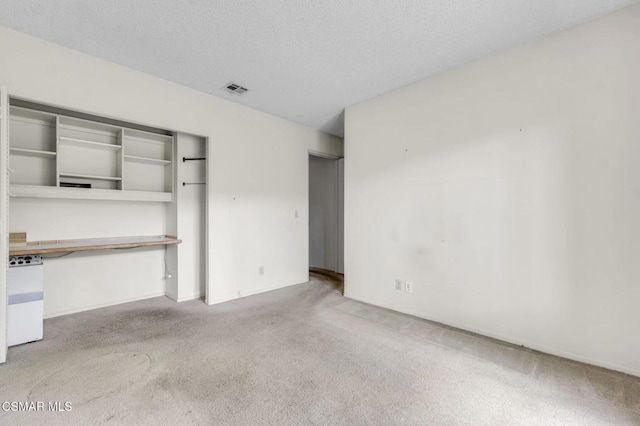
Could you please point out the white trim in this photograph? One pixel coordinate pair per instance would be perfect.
(250, 293)
(208, 171)
(101, 305)
(4, 218)
(520, 342)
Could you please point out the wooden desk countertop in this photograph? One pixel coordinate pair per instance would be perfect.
(64, 246)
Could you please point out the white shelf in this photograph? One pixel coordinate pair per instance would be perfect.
(81, 176)
(32, 152)
(32, 116)
(146, 160)
(35, 191)
(81, 143)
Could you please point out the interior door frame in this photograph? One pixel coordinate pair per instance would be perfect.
(4, 218)
(339, 204)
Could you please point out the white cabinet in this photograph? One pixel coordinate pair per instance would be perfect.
(59, 156)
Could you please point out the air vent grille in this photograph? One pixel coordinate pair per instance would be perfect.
(235, 88)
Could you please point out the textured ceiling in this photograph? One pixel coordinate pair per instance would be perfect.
(304, 60)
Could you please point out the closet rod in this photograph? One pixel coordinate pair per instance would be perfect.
(193, 183)
(192, 159)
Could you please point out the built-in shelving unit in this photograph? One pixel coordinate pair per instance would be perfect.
(56, 155)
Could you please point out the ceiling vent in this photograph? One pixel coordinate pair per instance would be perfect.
(235, 88)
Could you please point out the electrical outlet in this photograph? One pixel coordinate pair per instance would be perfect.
(261, 270)
(399, 285)
(408, 286)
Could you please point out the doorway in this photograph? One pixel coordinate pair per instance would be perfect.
(326, 213)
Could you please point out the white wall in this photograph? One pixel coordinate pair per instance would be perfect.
(507, 191)
(257, 172)
(80, 281)
(323, 213)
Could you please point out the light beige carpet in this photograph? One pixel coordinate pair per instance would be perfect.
(300, 355)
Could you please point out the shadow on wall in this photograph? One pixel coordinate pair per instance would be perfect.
(523, 221)
(334, 279)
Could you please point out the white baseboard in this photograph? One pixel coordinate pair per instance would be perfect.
(102, 305)
(509, 339)
(228, 298)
